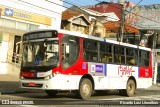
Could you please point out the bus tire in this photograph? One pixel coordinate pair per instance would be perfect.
(131, 87)
(85, 89)
(51, 92)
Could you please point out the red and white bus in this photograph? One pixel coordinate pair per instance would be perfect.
(57, 61)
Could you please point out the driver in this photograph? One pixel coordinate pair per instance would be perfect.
(41, 53)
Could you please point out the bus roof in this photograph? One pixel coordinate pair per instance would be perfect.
(104, 39)
(92, 37)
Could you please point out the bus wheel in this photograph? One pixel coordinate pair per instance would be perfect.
(131, 87)
(51, 92)
(85, 89)
(130, 90)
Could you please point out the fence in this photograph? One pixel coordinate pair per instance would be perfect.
(14, 59)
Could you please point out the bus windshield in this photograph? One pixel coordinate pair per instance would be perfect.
(41, 53)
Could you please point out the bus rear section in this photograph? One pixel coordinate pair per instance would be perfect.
(65, 61)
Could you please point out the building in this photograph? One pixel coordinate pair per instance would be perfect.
(20, 16)
(86, 21)
(74, 21)
(113, 27)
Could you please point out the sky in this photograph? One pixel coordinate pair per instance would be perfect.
(93, 2)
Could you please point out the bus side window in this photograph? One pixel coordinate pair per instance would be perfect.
(147, 59)
(70, 50)
(135, 57)
(65, 55)
(109, 52)
(105, 53)
(122, 55)
(132, 56)
(94, 51)
(144, 58)
(102, 54)
(117, 58)
(86, 47)
(90, 52)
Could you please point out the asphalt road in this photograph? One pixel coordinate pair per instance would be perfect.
(100, 99)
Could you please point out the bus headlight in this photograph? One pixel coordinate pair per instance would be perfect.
(21, 77)
(48, 77)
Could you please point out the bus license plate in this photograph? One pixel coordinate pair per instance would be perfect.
(32, 84)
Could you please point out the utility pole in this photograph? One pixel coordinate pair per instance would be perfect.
(94, 27)
(123, 3)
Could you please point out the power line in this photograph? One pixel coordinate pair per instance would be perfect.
(88, 13)
(136, 6)
(40, 7)
(62, 6)
(77, 6)
(80, 8)
(83, 3)
(132, 13)
(71, 2)
(45, 8)
(48, 9)
(57, 12)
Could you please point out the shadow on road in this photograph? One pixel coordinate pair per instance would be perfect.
(12, 88)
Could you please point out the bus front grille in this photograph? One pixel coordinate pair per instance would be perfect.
(36, 85)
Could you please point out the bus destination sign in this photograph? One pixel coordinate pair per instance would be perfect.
(39, 35)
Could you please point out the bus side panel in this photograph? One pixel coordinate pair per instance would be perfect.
(98, 72)
(110, 76)
(144, 82)
(119, 74)
(79, 67)
(145, 75)
(145, 72)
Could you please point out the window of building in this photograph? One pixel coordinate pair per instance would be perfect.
(22, 26)
(18, 25)
(33, 27)
(1, 22)
(10, 23)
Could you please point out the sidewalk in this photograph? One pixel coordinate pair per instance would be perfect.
(9, 84)
(154, 87)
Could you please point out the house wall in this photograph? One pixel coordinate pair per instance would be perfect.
(99, 28)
